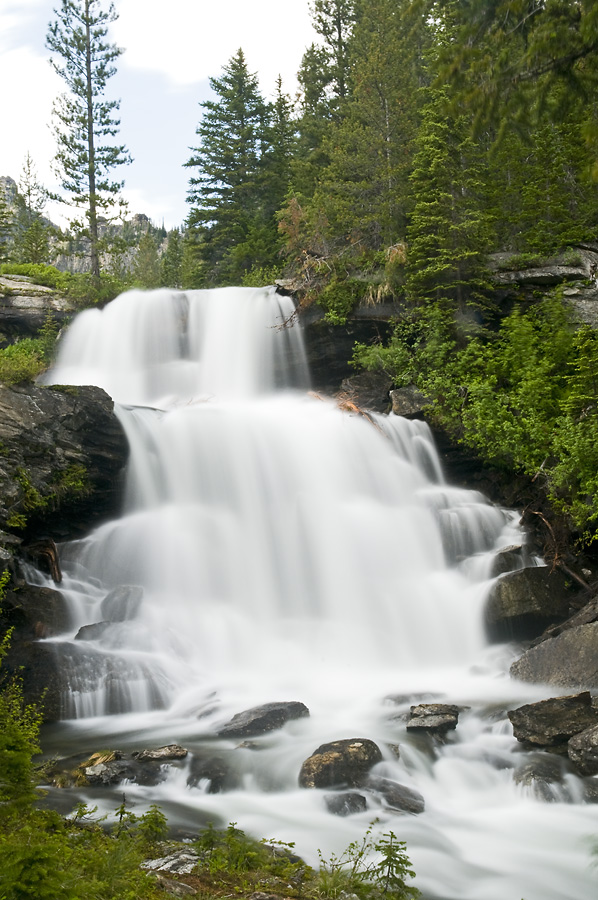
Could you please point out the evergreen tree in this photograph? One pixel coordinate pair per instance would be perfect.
(171, 264)
(32, 239)
(85, 122)
(333, 20)
(451, 230)
(146, 266)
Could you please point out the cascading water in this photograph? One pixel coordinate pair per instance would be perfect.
(273, 547)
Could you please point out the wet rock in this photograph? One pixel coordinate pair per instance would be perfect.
(63, 453)
(583, 750)
(182, 862)
(544, 773)
(408, 401)
(509, 559)
(549, 723)
(38, 667)
(368, 390)
(434, 718)
(590, 790)
(170, 751)
(522, 604)
(339, 763)
(34, 612)
(215, 772)
(347, 803)
(397, 796)
(568, 660)
(92, 632)
(122, 603)
(261, 719)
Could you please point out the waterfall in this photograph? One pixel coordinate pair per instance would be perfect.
(275, 547)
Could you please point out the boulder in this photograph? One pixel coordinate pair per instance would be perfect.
(507, 560)
(63, 452)
(568, 660)
(347, 803)
(396, 795)
(181, 862)
(433, 718)
(550, 723)
(368, 390)
(261, 719)
(545, 774)
(339, 764)
(92, 632)
(408, 401)
(25, 306)
(522, 604)
(170, 751)
(583, 750)
(214, 771)
(34, 612)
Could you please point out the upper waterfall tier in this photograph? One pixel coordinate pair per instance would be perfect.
(154, 348)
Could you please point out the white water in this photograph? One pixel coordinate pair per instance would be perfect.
(291, 551)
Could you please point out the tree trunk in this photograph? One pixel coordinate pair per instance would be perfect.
(92, 211)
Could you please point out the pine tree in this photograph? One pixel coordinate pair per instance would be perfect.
(171, 263)
(84, 121)
(32, 238)
(227, 192)
(146, 266)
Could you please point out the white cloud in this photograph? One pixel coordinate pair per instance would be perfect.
(190, 41)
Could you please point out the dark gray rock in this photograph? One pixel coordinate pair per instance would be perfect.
(347, 803)
(583, 750)
(568, 660)
(522, 604)
(408, 401)
(509, 559)
(549, 723)
(34, 612)
(122, 603)
(261, 719)
(397, 796)
(368, 390)
(433, 718)
(339, 764)
(214, 770)
(63, 451)
(92, 632)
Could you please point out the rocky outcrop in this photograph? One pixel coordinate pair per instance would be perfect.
(62, 453)
(568, 660)
(523, 603)
(368, 390)
(261, 719)
(343, 763)
(433, 718)
(408, 401)
(550, 723)
(583, 751)
(25, 306)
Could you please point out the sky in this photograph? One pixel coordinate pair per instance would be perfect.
(171, 49)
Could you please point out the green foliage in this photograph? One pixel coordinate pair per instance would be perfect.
(338, 298)
(146, 266)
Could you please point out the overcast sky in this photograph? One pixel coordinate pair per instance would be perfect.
(171, 48)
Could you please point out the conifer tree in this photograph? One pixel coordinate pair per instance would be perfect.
(171, 264)
(227, 189)
(85, 122)
(146, 267)
(32, 238)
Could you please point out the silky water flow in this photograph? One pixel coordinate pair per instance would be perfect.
(273, 547)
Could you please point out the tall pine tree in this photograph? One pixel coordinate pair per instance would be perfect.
(226, 189)
(85, 122)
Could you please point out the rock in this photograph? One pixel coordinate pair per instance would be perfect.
(38, 667)
(171, 751)
(92, 632)
(261, 719)
(34, 612)
(408, 401)
(25, 306)
(544, 773)
(182, 862)
(549, 723)
(508, 559)
(584, 616)
(176, 888)
(122, 603)
(583, 750)
(368, 390)
(347, 803)
(63, 453)
(397, 796)
(521, 604)
(568, 660)
(339, 763)
(213, 770)
(433, 718)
